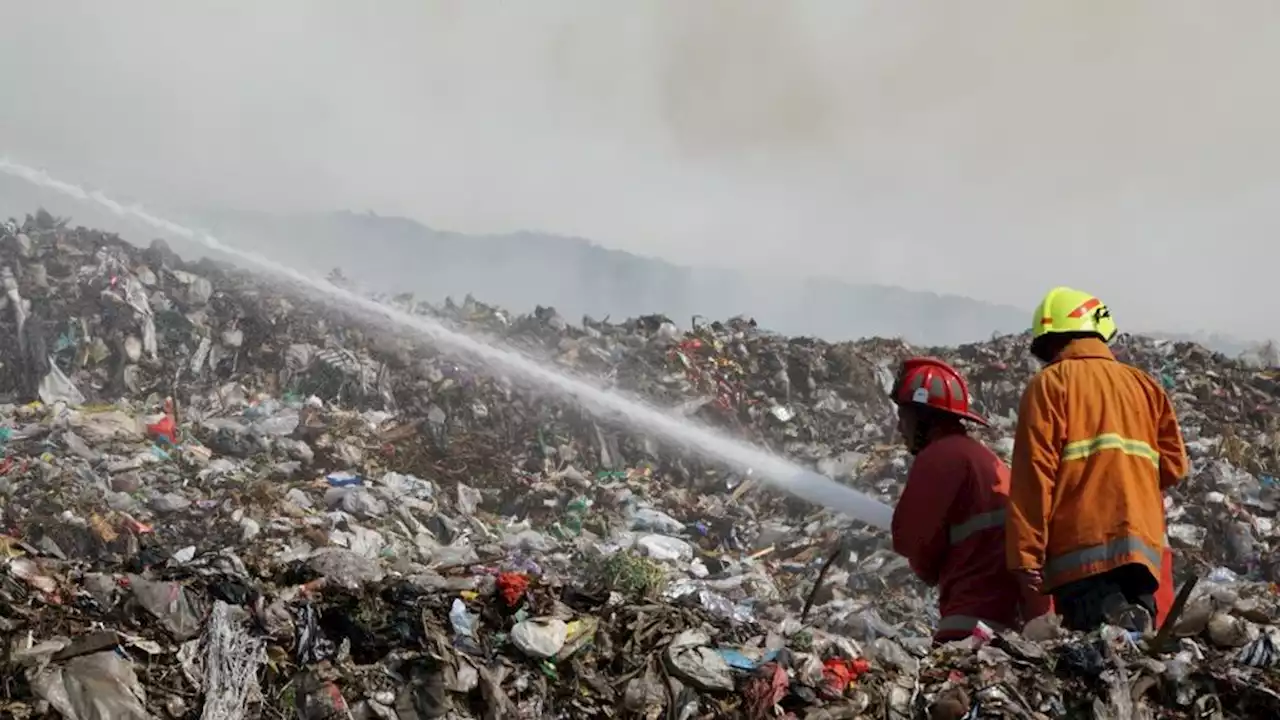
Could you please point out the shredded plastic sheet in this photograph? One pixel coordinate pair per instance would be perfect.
(231, 661)
(57, 387)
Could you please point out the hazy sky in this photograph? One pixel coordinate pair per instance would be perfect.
(985, 148)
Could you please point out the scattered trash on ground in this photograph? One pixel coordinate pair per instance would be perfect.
(222, 500)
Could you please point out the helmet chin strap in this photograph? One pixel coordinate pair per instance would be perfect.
(926, 423)
(920, 438)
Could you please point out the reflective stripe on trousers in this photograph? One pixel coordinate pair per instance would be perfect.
(1081, 449)
(965, 623)
(982, 521)
(1076, 559)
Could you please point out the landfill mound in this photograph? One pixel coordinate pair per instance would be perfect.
(223, 499)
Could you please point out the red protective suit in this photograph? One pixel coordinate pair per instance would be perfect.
(1165, 594)
(949, 523)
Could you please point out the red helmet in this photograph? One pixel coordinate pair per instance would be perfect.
(933, 383)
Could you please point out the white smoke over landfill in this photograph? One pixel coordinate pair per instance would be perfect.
(983, 148)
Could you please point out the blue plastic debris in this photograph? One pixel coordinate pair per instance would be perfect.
(344, 479)
(738, 660)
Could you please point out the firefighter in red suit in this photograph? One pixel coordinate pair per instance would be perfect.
(949, 522)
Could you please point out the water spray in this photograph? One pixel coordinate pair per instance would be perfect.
(782, 474)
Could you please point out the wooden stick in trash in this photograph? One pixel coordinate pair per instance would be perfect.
(836, 552)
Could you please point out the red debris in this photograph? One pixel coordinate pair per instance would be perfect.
(765, 690)
(512, 587)
(164, 429)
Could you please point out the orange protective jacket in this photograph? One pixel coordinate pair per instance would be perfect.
(949, 524)
(1097, 443)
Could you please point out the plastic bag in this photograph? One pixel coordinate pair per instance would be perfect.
(56, 387)
(170, 604)
(463, 621)
(101, 686)
(540, 638)
(690, 659)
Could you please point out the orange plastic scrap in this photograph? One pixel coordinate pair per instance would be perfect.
(311, 588)
(839, 673)
(138, 528)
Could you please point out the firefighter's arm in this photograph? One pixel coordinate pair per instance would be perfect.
(1037, 447)
(1173, 452)
(920, 530)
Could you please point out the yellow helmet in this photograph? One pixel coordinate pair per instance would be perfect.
(1066, 310)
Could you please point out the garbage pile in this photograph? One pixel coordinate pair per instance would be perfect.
(222, 499)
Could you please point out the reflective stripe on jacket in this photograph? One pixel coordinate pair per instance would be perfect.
(1097, 441)
(949, 524)
(962, 531)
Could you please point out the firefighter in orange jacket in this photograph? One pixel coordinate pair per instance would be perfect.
(949, 522)
(1096, 444)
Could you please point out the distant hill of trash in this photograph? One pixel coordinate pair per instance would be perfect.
(511, 271)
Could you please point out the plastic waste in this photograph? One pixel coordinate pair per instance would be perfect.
(542, 638)
(295, 498)
(343, 479)
(232, 659)
(345, 568)
(170, 603)
(93, 687)
(661, 547)
(655, 521)
(690, 658)
(462, 620)
(56, 387)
